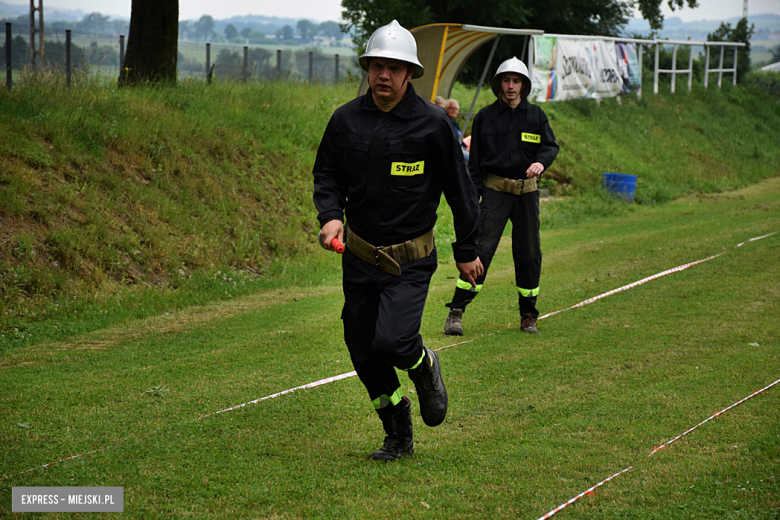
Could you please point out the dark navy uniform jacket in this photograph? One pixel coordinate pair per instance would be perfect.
(506, 141)
(387, 171)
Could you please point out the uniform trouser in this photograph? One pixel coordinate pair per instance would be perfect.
(495, 209)
(382, 316)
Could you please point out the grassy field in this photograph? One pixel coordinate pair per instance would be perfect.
(533, 421)
(158, 263)
(126, 203)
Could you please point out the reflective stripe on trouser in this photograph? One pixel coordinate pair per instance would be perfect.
(388, 400)
(381, 317)
(496, 208)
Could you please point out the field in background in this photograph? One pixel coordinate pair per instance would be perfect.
(136, 200)
(533, 421)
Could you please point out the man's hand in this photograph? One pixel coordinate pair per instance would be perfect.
(469, 271)
(534, 170)
(332, 229)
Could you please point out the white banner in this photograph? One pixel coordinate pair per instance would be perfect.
(566, 68)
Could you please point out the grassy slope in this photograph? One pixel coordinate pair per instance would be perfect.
(533, 421)
(126, 203)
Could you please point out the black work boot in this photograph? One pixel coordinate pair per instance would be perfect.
(430, 389)
(397, 422)
(454, 324)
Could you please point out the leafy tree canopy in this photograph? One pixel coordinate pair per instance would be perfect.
(307, 29)
(592, 17)
(230, 31)
(203, 28)
(740, 33)
(330, 29)
(775, 54)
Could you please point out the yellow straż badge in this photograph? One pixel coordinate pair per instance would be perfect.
(407, 169)
(531, 138)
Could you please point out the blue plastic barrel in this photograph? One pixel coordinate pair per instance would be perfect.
(621, 184)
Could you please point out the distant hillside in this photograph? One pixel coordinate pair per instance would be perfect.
(11, 11)
(767, 27)
(265, 24)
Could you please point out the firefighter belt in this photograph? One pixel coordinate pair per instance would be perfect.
(515, 187)
(389, 258)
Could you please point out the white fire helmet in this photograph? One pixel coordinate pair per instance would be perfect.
(394, 42)
(511, 65)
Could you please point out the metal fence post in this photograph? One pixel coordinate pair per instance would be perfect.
(208, 63)
(706, 65)
(278, 64)
(736, 50)
(311, 66)
(121, 52)
(336, 75)
(245, 65)
(67, 57)
(720, 66)
(674, 67)
(655, 72)
(690, 68)
(33, 31)
(639, 55)
(8, 75)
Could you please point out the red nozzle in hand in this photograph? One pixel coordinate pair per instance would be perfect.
(337, 245)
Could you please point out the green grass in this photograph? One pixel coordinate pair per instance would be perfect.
(123, 203)
(533, 421)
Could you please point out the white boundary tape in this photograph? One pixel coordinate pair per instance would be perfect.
(754, 239)
(632, 285)
(586, 492)
(686, 432)
(347, 375)
(53, 463)
(277, 394)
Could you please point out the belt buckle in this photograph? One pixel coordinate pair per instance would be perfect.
(377, 249)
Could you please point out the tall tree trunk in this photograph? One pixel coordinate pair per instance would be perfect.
(152, 45)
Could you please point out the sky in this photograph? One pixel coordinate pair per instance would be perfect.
(326, 10)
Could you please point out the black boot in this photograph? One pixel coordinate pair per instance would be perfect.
(397, 421)
(430, 389)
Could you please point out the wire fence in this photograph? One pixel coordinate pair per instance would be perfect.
(78, 56)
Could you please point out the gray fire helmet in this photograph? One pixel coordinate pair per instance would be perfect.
(394, 42)
(512, 65)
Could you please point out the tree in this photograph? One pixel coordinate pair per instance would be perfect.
(775, 55)
(120, 26)
(94, 23)
(230, 31)
(740, 33)
(255, 36)
(307, 29)
(245, 32)
(203, 28)
(331, 30)
(184, 30)
(286, 33)
(594, 17)
(152, 43)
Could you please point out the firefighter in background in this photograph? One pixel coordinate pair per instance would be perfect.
(385, 159)
(512, 145)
